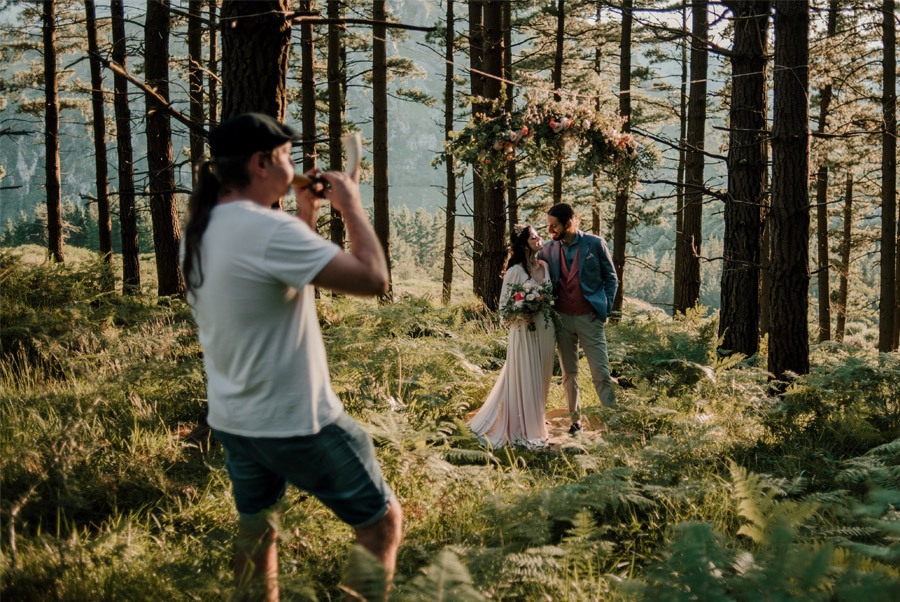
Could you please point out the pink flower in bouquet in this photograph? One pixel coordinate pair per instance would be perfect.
(527, 302)
(498, 144)
(513, 136)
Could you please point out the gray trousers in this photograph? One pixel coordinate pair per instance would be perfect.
(588, 331)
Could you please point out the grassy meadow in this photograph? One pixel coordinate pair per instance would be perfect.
(700, 485)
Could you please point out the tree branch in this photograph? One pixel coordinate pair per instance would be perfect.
(166, 106)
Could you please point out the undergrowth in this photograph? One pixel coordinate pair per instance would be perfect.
(701, 486)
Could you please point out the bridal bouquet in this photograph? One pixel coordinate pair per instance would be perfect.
(527, 300)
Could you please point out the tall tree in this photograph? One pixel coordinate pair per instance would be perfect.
(131, 267)
(477, 82)
(844, 265)
(682, 152)
(889, 310)
(490, 215)
(51, 134)
(212, 84)
(256, 38)
(512, 178)
(336, 83)
(163, 208)
(557, 85)
(623, 185)
(789, 335)
(765, 260)
(104, 222)
(739, 316)
(195, 82)
(450, 218)
(822, 263)
(308, 88)
(688, 271)
(380, 199)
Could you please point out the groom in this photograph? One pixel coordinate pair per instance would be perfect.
(585, 282)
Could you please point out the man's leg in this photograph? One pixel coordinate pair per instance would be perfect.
(256, 557)
(593, 341)
(567, 345)
(383, 538)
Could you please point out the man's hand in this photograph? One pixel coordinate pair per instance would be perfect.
(343, 193)
(308, 201)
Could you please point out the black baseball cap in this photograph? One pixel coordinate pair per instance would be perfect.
(248, 133)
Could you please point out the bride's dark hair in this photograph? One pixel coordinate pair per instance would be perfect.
(519, 248)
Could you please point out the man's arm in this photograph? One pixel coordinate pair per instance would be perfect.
(362, 271)
(608, 273)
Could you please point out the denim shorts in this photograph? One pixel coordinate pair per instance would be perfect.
(337, 465)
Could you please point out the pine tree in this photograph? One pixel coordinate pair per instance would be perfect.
(692, 234)
(163, 208)
(788, 339)
(738, 324)
(51, 134)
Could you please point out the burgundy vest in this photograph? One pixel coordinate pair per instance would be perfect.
(571, 299)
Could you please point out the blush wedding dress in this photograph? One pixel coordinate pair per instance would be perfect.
(513, 413)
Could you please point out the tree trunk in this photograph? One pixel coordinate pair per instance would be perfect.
(844, 269)
(476, 62)
(739, 321)
(163, 208)
(336, 76)
(98, 113)
(450, 224)
(380, 201)
(131, 266)
(765, 251)
(677, 267)
(51, 134)
(692, 235)
(789, 336)
(256, 39)
(598, 104)
(512, 193)
(623, 185)
(490, 217)
(308, 89)
(822, 267)
(195, 83)
(213, 79)
(557, 85)
(890, 267)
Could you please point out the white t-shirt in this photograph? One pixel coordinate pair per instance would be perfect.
(263, 351)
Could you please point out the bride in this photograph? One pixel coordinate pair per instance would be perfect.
(514, 411)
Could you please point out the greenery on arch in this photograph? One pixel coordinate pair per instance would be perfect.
(542, 133)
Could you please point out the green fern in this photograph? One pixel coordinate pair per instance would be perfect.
(444, 580)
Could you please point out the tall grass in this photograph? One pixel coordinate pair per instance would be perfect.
(699, 484)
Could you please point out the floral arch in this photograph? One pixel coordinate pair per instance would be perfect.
(543, 133)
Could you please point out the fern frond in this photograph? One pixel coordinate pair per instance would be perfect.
(364, 576)
(462, 457)
(446, 579)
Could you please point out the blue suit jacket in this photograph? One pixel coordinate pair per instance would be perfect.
(595, 270)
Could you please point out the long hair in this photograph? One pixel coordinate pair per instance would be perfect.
(519, 250)
(215, 176)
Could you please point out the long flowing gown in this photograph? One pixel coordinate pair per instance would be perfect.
(514, 410)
